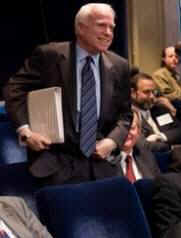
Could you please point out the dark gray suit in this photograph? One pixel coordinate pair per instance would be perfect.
(145, 162)
(54, 65)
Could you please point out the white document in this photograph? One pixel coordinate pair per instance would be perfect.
(164, 119)
(46, 114)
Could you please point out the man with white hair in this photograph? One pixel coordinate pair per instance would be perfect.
(88, 74)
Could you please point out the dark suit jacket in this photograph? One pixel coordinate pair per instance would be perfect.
(53, 64)
(167, 206)
(171, 130)
(145, 162)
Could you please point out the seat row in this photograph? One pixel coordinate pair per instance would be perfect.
(105, 208)
(87, 207)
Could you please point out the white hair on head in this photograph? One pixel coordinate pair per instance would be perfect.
(86, 10)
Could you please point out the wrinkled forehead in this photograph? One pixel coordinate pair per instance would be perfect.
(102, 11)
(144, 84)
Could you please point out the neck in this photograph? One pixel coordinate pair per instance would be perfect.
(127, 150)
(173, 71)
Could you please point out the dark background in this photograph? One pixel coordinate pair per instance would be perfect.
(25, 24)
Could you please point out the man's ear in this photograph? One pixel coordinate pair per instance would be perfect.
(81, 26)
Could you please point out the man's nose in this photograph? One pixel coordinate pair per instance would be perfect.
(151, 95)
(175, 58)
(109, 30)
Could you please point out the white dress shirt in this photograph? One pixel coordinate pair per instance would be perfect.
(136, 171)
(147, 116)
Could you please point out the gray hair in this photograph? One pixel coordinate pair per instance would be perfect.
(86, 10)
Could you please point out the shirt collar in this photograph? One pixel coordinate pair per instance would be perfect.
(124, 155)
(145, 113)
(82, 54)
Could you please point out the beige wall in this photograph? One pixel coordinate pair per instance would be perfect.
(171, 20)
(152, 25)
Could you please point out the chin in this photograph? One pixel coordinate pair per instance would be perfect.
(128, 145)
(102, 49)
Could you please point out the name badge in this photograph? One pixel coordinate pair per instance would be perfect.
(164, 119)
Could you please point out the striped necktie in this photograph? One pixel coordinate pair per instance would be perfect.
(88, 116)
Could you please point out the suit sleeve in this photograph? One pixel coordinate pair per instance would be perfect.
(167, 207)
(166, 86)
(30, 77)
(121, 127)
(157, 146)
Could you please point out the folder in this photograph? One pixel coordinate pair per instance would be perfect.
(46, 114)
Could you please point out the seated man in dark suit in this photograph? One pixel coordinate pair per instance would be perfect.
(136, 161)
(158, 124)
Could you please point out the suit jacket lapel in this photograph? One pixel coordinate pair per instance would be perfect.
(121, 169)
(69, 78)
(117, 161)
(106, 76)
(147, 129)
(140, 158)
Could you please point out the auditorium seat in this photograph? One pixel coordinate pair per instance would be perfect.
(15, 180)
(104, 208)
(164, 160)
(144, 188)
(3, 113)
(10, 150)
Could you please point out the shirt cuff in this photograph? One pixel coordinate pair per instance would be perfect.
(21, 127)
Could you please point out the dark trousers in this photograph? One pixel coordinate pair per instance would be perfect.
(80, 170)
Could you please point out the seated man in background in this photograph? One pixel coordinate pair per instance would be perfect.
(160, 100)
(158, 124)
(18, 221)
(167, 78)
(136, 161)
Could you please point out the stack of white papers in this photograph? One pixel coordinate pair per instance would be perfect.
(46, 114)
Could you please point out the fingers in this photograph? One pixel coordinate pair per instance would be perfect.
(104, 148)
(38, 142)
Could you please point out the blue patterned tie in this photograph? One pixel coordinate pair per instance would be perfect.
(88, 117)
